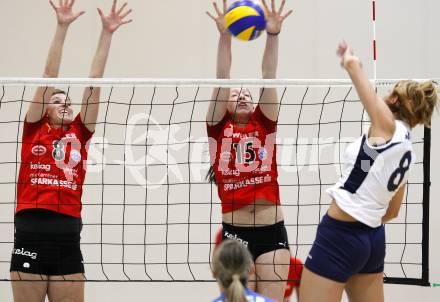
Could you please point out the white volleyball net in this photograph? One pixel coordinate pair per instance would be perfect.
(148, 212)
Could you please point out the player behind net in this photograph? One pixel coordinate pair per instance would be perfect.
(243, 153)
(52, 171)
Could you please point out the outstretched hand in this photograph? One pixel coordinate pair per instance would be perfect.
(274, 17)
(116, 17)
(220, 19)
(346, 54)
(64, 13)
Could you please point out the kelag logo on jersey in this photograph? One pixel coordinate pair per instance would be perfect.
(38, 150)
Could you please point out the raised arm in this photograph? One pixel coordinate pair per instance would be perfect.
(217, 106)
(110, 23)
(269, 103)
(382, 119)
(65, 16)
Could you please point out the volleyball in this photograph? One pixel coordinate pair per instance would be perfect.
(245, 19)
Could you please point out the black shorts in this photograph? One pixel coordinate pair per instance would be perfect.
(45, 252)
(259, 239)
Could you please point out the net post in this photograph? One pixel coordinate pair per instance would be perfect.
(426, 192)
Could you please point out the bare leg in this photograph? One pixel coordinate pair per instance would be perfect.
(273, 266)
(68, 288)
(32, 289)
(365, 288)
(315, 288)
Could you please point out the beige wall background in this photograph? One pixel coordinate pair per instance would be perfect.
(175, 39)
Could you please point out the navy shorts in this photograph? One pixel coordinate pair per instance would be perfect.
(343, 249)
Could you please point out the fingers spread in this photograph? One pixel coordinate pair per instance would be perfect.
(287, 14)
(79, 14)
(210, 15)
(100, 12)
(280, 11)
(126, 14)
(216, 9)
(53, 5)
(265, 6)
(122, 8)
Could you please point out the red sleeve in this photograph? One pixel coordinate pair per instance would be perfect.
(271, 126)
(295, 270)
(85, 133)
(214, 130)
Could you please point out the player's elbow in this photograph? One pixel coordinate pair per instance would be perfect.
(390, 215)
(394, 214)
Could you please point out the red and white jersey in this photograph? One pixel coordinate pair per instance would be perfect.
(244, 161)
(52, 168)
(373, 174)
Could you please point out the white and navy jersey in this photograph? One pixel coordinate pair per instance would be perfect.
(372, 175)
(250, 295)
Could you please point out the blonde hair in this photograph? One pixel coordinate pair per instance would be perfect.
(58, 91)
(231, 265)
(415, 102)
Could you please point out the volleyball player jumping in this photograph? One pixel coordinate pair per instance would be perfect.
(52, 171)
(349, 249)
(243, 154)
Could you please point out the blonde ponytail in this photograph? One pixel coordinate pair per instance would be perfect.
(235, 292)
(428, 103)
(416, 102)
(231, 265)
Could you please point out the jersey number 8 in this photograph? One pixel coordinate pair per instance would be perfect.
(399, 173)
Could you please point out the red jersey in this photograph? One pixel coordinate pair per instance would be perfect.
(52, 168)
(244, 161)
